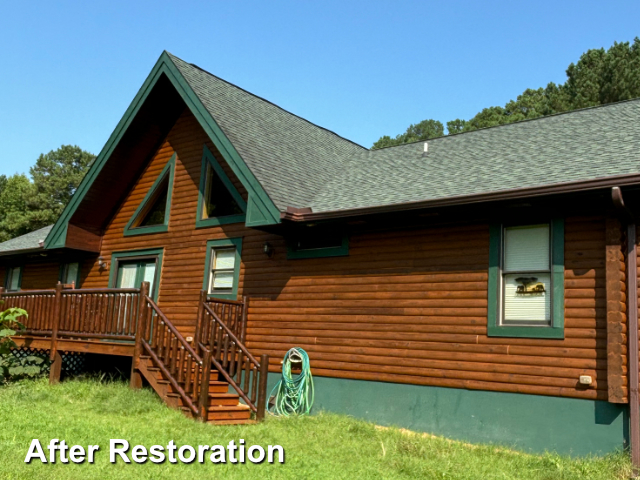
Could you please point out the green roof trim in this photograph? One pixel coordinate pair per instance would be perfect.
(209, 160)
(166, 66)
(129, 229)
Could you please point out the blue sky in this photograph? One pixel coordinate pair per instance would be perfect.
(361, 68)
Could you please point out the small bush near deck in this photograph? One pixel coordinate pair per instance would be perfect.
(324, 446)
(15, 367)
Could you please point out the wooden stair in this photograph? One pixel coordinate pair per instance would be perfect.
(224, 408)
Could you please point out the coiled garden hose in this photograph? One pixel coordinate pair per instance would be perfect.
(293, 395)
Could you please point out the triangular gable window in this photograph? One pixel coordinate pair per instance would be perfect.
(219, 202)
(152, 215)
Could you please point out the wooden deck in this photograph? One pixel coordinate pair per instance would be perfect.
(78, 320)
(105, 347)
(127, 322)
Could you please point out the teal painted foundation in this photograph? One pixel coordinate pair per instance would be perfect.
(532, 423)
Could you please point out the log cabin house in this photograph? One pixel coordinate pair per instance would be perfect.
(473, 286)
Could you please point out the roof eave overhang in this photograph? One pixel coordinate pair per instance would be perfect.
(263, 211)
(306, 215)
(8, 253)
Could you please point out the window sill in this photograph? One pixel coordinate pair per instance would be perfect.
(525, 332)
(222, 296)
(215, 221)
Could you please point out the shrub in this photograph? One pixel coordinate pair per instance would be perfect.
(12, 367)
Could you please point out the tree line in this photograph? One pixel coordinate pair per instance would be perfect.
(599, 77)
(27, 204)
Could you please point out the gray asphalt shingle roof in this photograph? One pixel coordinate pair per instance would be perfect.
(302, 165)
(291, 157)
(581, 145)
(28, 241)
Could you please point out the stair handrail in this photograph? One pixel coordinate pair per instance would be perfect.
(258, 405)
(232, 336)
(173, 329)
(147, 344)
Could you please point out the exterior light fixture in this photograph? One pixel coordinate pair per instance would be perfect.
(267, 249)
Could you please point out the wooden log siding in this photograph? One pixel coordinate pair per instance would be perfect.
(404, 306)
(44, 274)
(410, 307)
(616, 313)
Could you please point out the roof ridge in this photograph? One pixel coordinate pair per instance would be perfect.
(526, 120)
(268, 101)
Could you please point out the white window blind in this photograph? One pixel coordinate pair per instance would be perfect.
(526, 248)
(223, 261)
(526, 275)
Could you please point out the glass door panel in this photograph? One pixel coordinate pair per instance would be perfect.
(132, 273)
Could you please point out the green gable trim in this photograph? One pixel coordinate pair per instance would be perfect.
(209, 159)
(129, 230)
(165, 66)
(132, 255)
(556, 330)
(341, 251)
(225, 242)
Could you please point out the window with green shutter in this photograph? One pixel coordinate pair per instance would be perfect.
(526, 280)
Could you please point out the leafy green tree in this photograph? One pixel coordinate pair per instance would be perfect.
(599, 77)
(14, 212)
(424, 130)
(27, 205)
(455, 126)
(56, 176)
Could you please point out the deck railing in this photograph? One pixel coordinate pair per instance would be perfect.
(100, 313)
(39, 304)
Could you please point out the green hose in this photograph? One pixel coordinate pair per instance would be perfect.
(293, 395)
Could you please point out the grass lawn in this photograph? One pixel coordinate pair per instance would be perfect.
(84, 412)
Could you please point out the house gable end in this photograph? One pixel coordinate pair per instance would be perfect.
(166, 68)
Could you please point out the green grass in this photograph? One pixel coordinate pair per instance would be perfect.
(323, 446)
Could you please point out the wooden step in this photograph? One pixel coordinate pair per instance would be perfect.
(217, 386)
(228, 412)
(224, 399)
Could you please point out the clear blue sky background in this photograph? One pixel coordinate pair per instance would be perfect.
(68, 70)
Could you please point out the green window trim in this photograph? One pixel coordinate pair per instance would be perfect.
(341, 251)
(225, 242)
(209, 160)
(129, 230)
(61, 272)
(132, 255)
(556, 330)
(6, 278)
